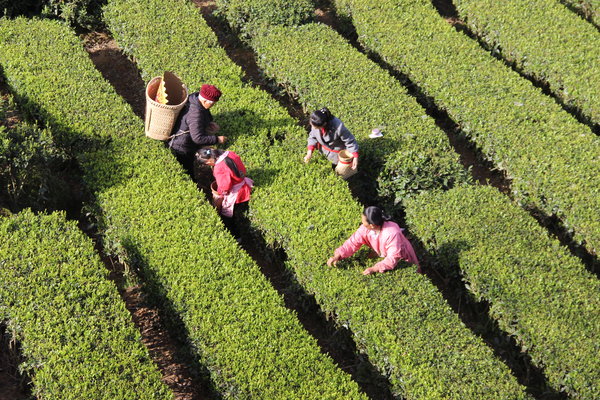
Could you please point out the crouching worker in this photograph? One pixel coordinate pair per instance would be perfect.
(194, 127)
(330, 136)
(384, 237)
(233, 187)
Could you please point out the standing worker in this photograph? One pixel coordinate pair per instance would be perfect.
(194, 127)
(331, 136)
(384, 237)
(233, 186)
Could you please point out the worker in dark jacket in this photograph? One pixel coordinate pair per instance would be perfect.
(194, 127)
(330, 136)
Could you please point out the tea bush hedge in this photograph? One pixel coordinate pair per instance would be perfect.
(153, 217)
(399, 319)
(551, 159)
(544, 41)
(286, 67)
(538, 292)
(29, 161)
(414, 155)
(250, 17)
(76, 336)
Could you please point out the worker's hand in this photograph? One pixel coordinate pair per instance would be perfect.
(307, 157)
(221, 139)
(370, 271)
(354, 163)
(333, 260)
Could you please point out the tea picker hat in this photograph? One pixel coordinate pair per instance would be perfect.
(210, 93)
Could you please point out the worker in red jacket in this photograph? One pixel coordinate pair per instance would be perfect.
(233, 187)
(384, 237)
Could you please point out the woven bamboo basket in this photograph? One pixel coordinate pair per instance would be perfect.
(160, 118)
(344, 166)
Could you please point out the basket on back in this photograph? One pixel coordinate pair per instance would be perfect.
(165, 97)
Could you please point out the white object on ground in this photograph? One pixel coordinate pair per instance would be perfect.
(375, 133)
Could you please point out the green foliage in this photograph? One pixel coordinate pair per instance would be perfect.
(252, 17)
(399, 319)
(414, 154)
(77, 337)
(153, 217)
(544, 41)
(29, 161)
(551, 159)
(538, 292)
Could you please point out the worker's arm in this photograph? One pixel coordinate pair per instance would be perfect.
(311, 145)
(349, 247)
(394, 253)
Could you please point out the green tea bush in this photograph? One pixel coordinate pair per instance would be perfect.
(29, 161)
(481, 209)
(398, 319)
(537, 291)
(152, 216)
(543, 41)
(414, 154)
(77, 338)
(250, 17)
(551, 159)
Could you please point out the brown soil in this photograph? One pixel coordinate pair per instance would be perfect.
(12, 385)
(116, 67)
(162, 347)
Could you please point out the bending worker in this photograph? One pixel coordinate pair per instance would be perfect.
(330, 136)
(194, 127)
(384, 237)
(233, 186)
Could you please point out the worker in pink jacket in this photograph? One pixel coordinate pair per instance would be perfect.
(384, 237)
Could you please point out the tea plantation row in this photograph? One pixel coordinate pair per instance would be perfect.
(76, 336)
(519, 296)
(400, 320)
(255, 121)
(544, 41)
(550, 157)
(155, 219)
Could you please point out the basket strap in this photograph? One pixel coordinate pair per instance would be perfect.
(175, 135)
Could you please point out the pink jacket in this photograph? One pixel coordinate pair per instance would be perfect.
(389, 243)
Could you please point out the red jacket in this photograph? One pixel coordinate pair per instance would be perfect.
(226, 178)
